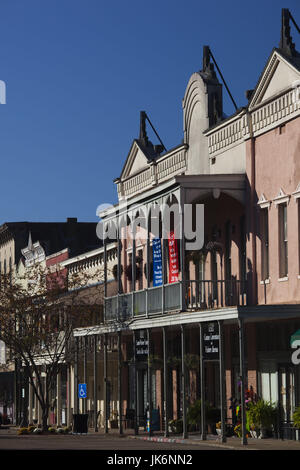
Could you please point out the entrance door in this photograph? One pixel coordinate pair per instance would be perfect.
(286, 394)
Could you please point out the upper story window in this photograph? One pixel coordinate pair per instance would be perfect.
(298, 235)
(283, 240)
(264, 232)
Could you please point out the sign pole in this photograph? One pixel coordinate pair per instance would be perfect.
(202, 386)
(222, 381)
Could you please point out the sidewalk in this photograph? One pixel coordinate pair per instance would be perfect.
(193, 442)
(233, 443)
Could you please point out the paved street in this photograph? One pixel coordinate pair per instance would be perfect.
(9, 440)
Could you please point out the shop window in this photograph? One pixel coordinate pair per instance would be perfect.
(268, 382)
(283, 240)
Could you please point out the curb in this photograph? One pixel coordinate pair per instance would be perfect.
(189, 441)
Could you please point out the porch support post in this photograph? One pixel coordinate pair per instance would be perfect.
(58, 399)
(95, 385)
(76, 377)
(84, 407)
(120, 382)
(148, 255)
(182, 250)
(69, 394)
(149, 383)
(166, 384)
(133, 260)
(202, 386)
(242, 378)
(105, 384)
(30, 392)
(105, 275)
(119, 250)
(183, 383)
(136, 425)
(222, 381)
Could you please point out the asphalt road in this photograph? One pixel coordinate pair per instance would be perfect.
(11, 441)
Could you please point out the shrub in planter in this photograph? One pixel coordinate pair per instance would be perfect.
(176, 426)
(37, 431)
(52, 430)
(261, 416)
(296, 418)
(31, 428)
(22, 431)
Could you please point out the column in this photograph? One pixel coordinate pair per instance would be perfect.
(105, 384)
(75, 391)
(84, 400)
(120, 382)
(105, 275)
(183, 383)
(149, 384)
(95, 385)
(242, 378)
(202, 386)
(69, 416)
(136, 426)
(30, 391)
(182, 249)
(58, 398)
(166, 384)
(222, 381)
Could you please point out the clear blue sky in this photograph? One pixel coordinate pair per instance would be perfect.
(78, 72)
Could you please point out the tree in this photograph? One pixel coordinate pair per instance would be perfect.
(38, 312)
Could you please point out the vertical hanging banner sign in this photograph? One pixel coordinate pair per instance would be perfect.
(157, 262)
(173, 259)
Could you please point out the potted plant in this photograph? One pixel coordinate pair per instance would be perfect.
(296, 422)
(261, 418)
(113, 421)
(176, 426)
(218, 428)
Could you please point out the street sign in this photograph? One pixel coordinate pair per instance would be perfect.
(81, 390)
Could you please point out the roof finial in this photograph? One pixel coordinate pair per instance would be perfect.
(143, 133)
(29, 241)
(207, 65)
(286, 43)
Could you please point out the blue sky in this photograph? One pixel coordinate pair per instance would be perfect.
(78, 72)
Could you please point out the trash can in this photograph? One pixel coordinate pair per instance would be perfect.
(80, 423)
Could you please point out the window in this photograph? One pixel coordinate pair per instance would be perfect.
(283, 240)
(299, 233)
(264, 231)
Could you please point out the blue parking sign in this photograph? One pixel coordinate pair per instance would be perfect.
(81, 390)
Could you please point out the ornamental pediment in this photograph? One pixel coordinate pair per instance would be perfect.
(279, 75)
(135, 161)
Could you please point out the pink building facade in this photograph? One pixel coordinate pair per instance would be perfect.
(218, 327)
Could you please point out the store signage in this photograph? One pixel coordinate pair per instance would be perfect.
(173, 259)
(157, 262)
(211, 340)
(141, 347)
(295, 344)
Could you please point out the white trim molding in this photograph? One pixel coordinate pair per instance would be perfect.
(281, 198)
(296, 193)
(264, 203)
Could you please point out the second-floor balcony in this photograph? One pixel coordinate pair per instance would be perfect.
(177, 297)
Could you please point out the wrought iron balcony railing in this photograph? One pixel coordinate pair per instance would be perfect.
(176, 297)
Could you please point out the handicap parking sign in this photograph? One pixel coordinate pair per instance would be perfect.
(81, 390)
